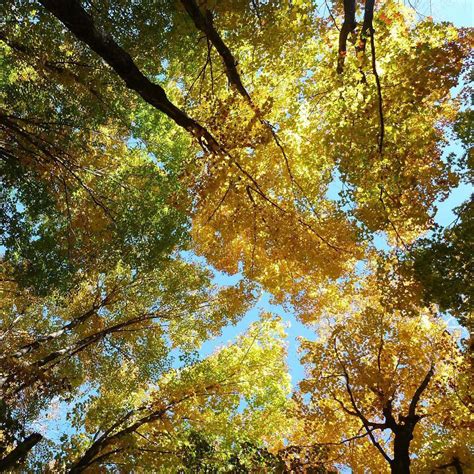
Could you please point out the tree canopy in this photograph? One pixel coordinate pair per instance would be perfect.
(150, 147)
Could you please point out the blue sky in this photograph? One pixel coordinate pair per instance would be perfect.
(459, 12)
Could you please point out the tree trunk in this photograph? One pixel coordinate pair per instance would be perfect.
(401, 453)
(457, 466)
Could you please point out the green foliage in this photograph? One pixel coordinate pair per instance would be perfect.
(53, 229)
(30, 228)
(445, 265)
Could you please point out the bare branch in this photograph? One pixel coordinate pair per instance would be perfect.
(419, 391)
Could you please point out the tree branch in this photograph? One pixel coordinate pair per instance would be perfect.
(367, 26)
(364, 420)
(456, 463)
(81, 24)
(204, 23)
(419, 391)
(20, 452)
(91, 455)
(348, 26)
(379, 92)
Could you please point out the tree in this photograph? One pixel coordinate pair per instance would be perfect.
(389, 388)
(63, 210)
(267, 160)
(55, 345)
(157, 426)
(134, 134)
(443, 263)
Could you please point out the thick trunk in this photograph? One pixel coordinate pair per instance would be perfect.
(401, 453)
